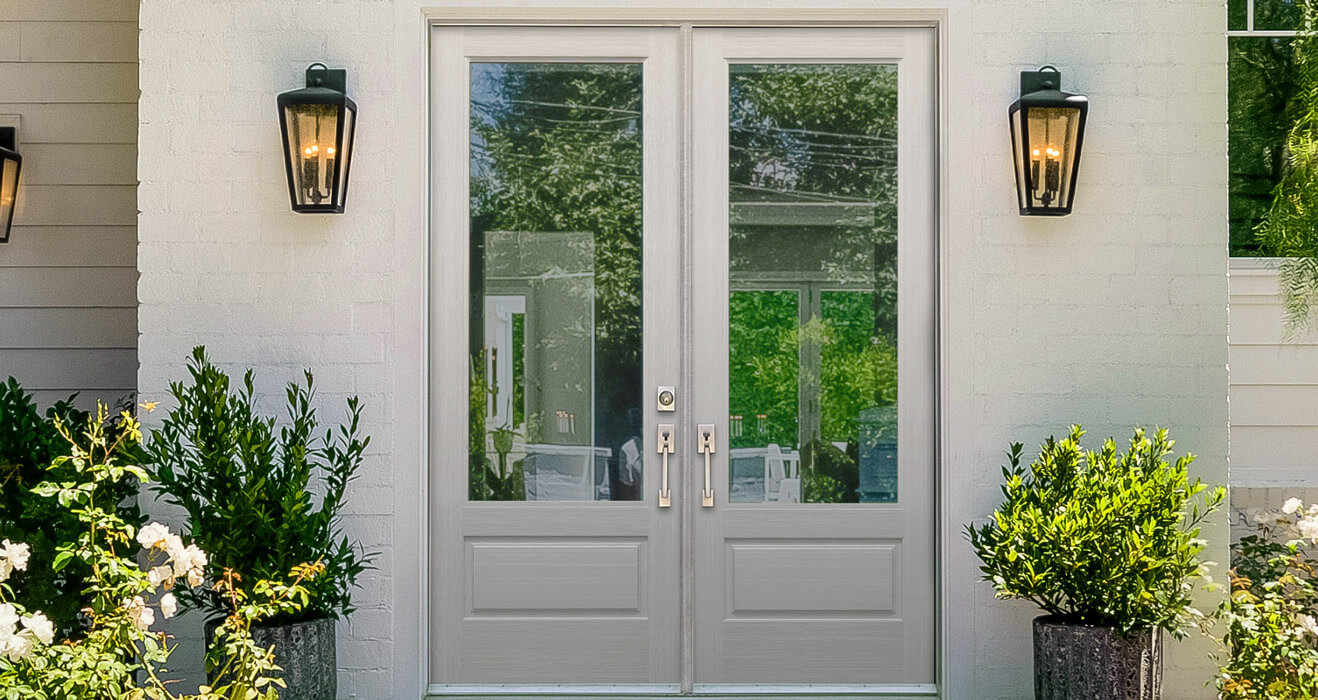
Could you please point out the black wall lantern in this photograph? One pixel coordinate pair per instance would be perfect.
(318, 123)
(10, 164)
(1047, 131)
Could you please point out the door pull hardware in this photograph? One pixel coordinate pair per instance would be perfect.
(705, 434)
(665, 442)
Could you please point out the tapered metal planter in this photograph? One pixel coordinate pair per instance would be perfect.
(1095, 663)
(306, 653)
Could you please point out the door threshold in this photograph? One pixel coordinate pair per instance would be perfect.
(725, 691)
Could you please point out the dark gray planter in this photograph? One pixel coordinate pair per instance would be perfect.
(306, 653)
(1095, 663)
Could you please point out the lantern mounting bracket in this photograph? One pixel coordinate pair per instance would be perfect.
(322, 76)
(9, 138)
(1046, 78)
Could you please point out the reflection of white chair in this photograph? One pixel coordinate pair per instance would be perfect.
(782, 482)
(563, 472)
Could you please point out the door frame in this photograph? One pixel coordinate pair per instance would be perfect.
(542, 14)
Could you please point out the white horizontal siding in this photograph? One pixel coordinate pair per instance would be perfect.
(1273, 386)
(68, 276)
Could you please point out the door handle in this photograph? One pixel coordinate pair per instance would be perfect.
(665, 443)
(705, 434)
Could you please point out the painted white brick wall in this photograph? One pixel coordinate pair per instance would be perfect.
(1112, 317)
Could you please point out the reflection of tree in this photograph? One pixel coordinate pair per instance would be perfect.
(822, 136)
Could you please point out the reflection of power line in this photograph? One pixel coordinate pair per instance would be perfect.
(566, 105)
(767, 128)
(810, 156)
(815, 196)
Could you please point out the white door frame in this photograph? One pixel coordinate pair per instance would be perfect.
(543, 14)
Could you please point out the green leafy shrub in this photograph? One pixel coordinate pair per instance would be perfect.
(247, 486)
(1099, 538)
(29, 443)
(118, 656)
(1270, 643)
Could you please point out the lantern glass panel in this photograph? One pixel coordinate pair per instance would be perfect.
(1045, 167)
(313, 145)
(8, 191)
(342, 159)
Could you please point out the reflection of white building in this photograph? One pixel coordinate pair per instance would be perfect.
(539, 311)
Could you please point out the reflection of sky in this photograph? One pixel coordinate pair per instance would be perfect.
(487, 100)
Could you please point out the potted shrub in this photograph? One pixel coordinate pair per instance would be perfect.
(1107, 545)
(260, 500)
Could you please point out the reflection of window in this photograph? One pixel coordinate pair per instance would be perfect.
(1262, 106)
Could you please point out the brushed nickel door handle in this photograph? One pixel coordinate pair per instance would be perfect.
(665, 443)
(705, 433)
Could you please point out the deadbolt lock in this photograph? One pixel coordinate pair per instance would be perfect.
(667, 398)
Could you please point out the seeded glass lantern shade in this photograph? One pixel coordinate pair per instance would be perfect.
(1047, 132)
(10, 165)
(318, 123)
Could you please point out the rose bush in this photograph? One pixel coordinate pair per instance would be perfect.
(119, 647)
(1269, 648)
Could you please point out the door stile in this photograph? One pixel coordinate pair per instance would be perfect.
(687, 345)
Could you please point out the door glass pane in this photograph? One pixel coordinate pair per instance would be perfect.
(555, 411)
(813, 363)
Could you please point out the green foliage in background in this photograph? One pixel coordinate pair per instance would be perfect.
(29, 442)
(1290, 228)
(1099, 538)
(1262, 107)
(247, 485)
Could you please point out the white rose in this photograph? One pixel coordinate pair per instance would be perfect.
(16, 553)
(161, 575)
(18, 646)
(168, 605)
(173, 545)
(40, 626)
(141, 615)
(1291, 505)
(153, 536)
(188, 560)
(196, 577)
(1308, 527)
(8, 618)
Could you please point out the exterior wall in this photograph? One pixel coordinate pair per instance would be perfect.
(1274, 386)
(1112, 317)
(68, 278)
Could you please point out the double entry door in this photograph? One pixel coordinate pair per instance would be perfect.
(682, 340)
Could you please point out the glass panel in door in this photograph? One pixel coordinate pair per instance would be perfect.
(555, 357)
(812, 168)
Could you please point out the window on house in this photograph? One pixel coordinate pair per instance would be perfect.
(1261, 93)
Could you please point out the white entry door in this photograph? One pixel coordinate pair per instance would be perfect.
(814, 287)
(744, 216)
